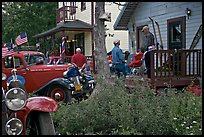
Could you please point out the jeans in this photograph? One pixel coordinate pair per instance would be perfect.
(127, 68)
(148, 64)
(120, 68)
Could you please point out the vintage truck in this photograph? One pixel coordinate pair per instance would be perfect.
(38, 77)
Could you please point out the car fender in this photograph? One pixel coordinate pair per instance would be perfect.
(43, 90)
(41, 103)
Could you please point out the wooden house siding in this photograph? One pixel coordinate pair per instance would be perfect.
(169, 10)
(163, 11)
(84, 15)
(88, 44)
(122, 35)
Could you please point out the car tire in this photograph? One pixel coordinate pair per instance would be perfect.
(65, 94)
(40, 123)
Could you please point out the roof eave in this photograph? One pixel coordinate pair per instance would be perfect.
(115, 26)
(123, 18)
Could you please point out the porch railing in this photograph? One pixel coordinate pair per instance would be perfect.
(66, 13)
(171, 65)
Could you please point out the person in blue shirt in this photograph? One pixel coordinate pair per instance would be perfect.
(118, 59)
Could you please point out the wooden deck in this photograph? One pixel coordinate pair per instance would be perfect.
(175, 67)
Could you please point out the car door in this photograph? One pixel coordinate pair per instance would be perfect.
(11, 62)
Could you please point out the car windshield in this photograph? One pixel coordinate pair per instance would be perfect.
(31, 58)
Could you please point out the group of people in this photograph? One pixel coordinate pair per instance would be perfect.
(118, 58)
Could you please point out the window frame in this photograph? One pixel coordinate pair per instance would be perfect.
(182, 21)
(83, 6)
(11, 62)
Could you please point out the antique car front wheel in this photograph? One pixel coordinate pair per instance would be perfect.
(59, 93)
(40, 123)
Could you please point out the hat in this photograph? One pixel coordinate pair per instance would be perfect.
(145, 27)
(116, 40)
(78, 50)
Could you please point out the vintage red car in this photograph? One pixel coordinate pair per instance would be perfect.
(37, 77)
(23, 115)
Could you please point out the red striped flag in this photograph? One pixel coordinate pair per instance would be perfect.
(22, 38)
(6, 52)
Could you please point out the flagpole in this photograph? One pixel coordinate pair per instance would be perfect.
(27, 42)
(11, 44)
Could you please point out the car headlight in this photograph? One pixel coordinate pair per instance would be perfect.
(71, 79)
(65, 74)
(14, 126)
(71, 85)
(15, 99)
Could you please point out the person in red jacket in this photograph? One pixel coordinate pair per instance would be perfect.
(79, 59)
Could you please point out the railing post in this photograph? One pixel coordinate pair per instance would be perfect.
(152, 67)
(199, 53)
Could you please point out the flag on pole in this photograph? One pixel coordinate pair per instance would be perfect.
(12, 44)
(6, 52)
(22, 38)
(4, 45)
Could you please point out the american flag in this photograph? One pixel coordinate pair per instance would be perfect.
(6, 52)
(22, 38)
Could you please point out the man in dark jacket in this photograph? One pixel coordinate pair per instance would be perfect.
(118, 58)
(148, 44)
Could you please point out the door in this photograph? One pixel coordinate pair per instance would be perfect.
(176, 33)
(176, 37)
(10, 63)
(80, 42)
(139, 37)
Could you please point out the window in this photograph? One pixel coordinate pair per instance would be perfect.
(72, 8)
(31, 58)
(80, 42)
(9, 62)
(176, 33)
(83, 6)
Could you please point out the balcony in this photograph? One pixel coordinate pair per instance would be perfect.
(65, 13)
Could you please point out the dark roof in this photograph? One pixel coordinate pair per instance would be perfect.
(124, 16)
(71, 25)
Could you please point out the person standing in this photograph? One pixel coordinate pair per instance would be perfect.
(148, 46)
(79, 59)
(118, 59)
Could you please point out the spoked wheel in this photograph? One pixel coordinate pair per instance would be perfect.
(40, 123)
(60, 94)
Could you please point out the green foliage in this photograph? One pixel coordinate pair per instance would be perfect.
(30, 17)
(116, 111)
(106, 111)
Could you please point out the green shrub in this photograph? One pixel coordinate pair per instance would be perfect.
(164, 114)
(116, 111)
(107, 111)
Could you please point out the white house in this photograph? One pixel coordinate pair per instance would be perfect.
(76, 21)
(178, 22)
